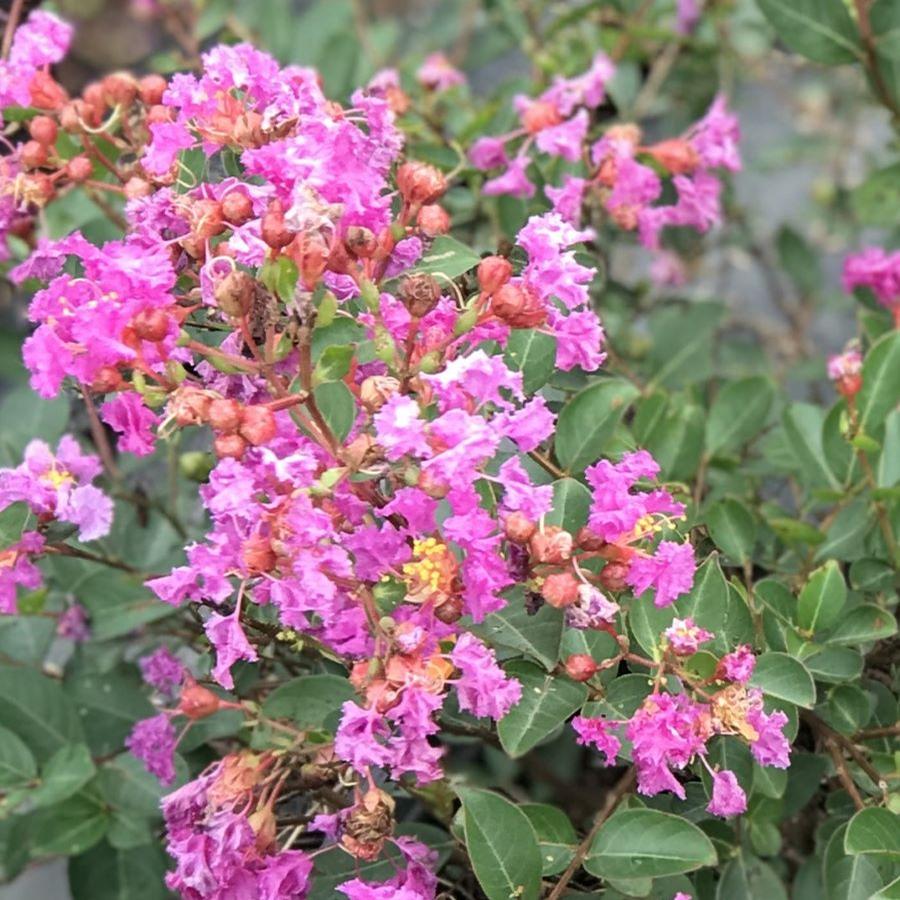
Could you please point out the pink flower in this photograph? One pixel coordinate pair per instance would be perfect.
(73, 624)
(437, 73)
(415, 881)
(666, 732)
(153, 742)
(844, 365)
(771, 747)
(670, 571)
(399, 428)
(685, 637)
(566, 139)
(579, 340)
(520, 494)
(667, 269)
(513, 181)
(528, 426)
(230, 643)
(483, 687)
(716, 136)
(567, 199)
(488, 153)
(57, 486)
(18, 570)
(738, 665)
(596, 731)
(877, 270)
(587, 89)
(592, 609)
(162, 670)
(126, 414)
(688, 16)
(284, 876)
(728, 797)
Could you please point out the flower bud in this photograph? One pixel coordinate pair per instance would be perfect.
(225, 415)
(519, 528)
(231, 446)
(588, 540)
(581, 667)
(274, 232)
(33, 154)
(263, 822)
(258, 425)
(46, 92)
(206, 219)
(38, 188)
(420, 294)
(44, 130)
(108, 379)
(433, 220)
(189, 406)
(258, 554)
(137, 187)
(493, 273)
(69, 119)
(358, 450)
(360, 242)
(151, 324)
(93, 96)
(552, 545)
(540, 115)
(120, 89)
(613, 575)
(158, 114)
(560, 589)
(195, 465)
(376, 390)
(234, 293)
(79, 168)
(450, 610)
(197, 702)
(151, 89)
(237, 207)
(435, 489)
(518, 306)
(678, 156)
(420, 183)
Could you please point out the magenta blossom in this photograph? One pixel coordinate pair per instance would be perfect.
(596, 732)
(162, 670)
(728, 797)
(153, 742)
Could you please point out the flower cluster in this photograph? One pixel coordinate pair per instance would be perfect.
(879, 271)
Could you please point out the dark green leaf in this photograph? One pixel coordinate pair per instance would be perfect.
(639, 843)
(70, 827)
(588, 420)
(822, 598)
(862, 624)
(875, 830)
(555, 833)
(532, 353)
(821, 30)
(333, 364)
(308, 700)
(738, 413)
(784, 678)
(881, 386)
(64, 774)
(571, 503)
(17, 766)
(732, 528)
(502, 846)
(537, 636)
(104, 873)
(337, 406)
(447, 256)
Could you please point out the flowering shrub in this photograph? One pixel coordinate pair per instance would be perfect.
(476, 604)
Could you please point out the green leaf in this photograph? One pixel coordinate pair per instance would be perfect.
(799, 260)
(36, 709)
(821, 30)
(862, 624)
(547, 701)
(555, 833)
(708, 603)
(532, 353)
(337, 406)
(588, 421)
(104, 873)
(682, 343)
(537, 636)
(70, 827)
(64, 774)
(17, 766)
(876, 200)
(447, 256)
(875, 830)
(738, 413)
(889, 462)
(881, 386)
(126, 785)
(12, 523)
(803, 424)
(308, 700)
(25, 417)
(502, 846)
(333, 364)
(822, 598)
(784, 678)
(848, 877)
(26, 638)
(571, 503)
(732, 527)
(835, 664)
(749, 878)
(672, 430)
(640, 843)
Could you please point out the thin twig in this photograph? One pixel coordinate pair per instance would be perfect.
(840, 766)
(622, 786)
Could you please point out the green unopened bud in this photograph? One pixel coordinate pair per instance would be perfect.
(184, 338)
(176, 371)
(195, 465)
(467, 320)
(398, 231)
(386, 623)
(430, 363)
(385, 349)
(154, 397)
(865, 443)
(370, 294)
(411, 475)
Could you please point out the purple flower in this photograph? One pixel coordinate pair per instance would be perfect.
(738, 665)
(153, 742)
(728, 797)
(877, 270)
(488, 153)
(771, 747)
(17, 569)
(73, 624)
(669, 571)
(685, 637)
(595, 731)
(566, 139)
(483, 687)
(162, 670)
(127, 414)
(513, 181)
(437, 73)
(284, 876)
(230, 643)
